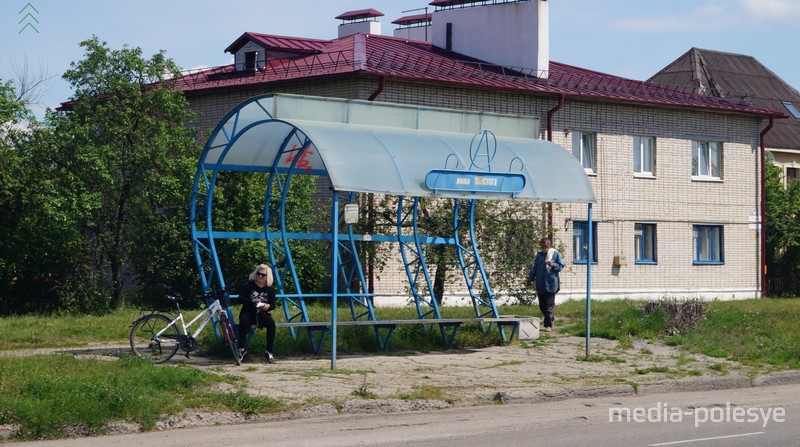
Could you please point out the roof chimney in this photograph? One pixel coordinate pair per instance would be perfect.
(511, 33)
(414, 27)
(360, 21)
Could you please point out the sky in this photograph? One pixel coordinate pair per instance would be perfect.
(628, 38)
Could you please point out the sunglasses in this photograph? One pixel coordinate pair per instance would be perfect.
(261, 275)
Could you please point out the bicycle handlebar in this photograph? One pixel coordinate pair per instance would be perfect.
(211, 295)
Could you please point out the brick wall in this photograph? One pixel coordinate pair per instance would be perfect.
(671, 199)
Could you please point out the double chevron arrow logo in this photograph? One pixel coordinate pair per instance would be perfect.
(29, 18)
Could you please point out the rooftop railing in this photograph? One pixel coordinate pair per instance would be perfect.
(409, 65)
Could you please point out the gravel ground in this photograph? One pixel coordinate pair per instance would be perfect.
(552, 367)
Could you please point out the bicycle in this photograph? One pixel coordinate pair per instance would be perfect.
(157, 337)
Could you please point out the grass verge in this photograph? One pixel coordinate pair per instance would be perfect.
(48, 396)
(761, 333)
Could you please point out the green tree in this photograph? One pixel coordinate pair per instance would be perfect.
(12, 110)
(782, 225)
(37, 240)
(44, 265)
(239, 206)
(507, 233)
(124, 157)
(18, 267)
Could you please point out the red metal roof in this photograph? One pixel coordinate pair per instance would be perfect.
(360, 14)
(286, 43)
(441, 3)
(408, 20)
(399, 58)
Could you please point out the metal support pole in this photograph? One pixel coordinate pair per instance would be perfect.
(334, 273)
(590, 257)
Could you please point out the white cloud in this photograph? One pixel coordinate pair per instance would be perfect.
(715, 15)
(787, 11)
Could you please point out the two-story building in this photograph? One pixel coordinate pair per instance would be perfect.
(676, 174)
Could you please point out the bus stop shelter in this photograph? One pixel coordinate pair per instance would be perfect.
(369, 147)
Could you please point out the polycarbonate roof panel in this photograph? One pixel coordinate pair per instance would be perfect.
(385, 148)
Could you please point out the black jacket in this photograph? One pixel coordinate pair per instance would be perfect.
(251, 291)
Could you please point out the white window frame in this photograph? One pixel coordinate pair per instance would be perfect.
(584, 148)
(644, 156)
(707, 160)
(790, 174)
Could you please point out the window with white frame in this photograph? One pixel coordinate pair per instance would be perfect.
(584, 149)
(644, 155)
(707, 159)
(580, 241)
(708, 244)
(645, 239)
(791, 174)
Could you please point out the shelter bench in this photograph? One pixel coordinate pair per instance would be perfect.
(448, 326)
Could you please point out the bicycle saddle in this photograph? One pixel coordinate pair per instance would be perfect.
(173, 298)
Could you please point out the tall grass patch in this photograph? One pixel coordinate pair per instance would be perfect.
(46, 395)
(56, 331)
(614, 320)
(753, 332)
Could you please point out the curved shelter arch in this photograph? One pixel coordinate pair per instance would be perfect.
(369, 147)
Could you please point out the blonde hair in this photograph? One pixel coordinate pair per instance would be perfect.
(254, 274)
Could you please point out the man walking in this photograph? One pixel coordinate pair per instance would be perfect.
(544, 273)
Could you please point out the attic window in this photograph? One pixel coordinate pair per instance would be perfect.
(792, 109)
(791, 174)
(250, 59)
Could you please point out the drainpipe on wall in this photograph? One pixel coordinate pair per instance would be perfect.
(763, 213)
(381, 86)
(562, 98)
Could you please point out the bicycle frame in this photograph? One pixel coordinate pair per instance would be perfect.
(208, 314)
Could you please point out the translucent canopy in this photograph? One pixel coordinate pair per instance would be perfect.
(365, 146)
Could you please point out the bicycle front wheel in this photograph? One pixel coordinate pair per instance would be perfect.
(155, 338)
(229, 337)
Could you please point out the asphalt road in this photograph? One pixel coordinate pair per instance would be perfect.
(756, 416)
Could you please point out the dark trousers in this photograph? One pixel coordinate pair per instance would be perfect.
(547, 301)
(266, 322)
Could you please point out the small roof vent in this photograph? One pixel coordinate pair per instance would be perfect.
(417, 19)
(414, 27)
(359, 21)
(361, 14)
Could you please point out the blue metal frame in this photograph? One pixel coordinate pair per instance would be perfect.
(280, 253)
(580, 230)
(644, 242)
(469, 259)
(589, 284)
(346, 272)
(351, 271)
(715, 243)
(414, 258)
